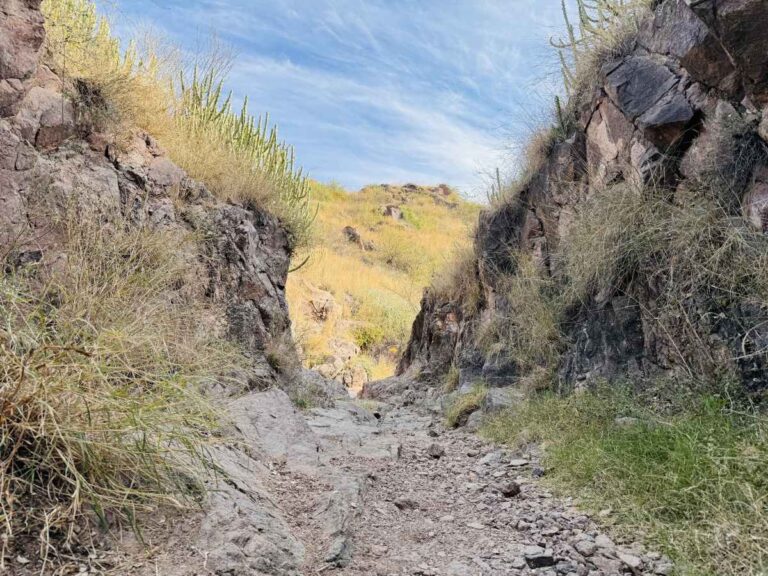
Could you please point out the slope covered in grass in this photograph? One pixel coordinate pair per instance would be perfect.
(373, 252)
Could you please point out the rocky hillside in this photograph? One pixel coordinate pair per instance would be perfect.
(354, 300)
(633, 247)
(134, 304)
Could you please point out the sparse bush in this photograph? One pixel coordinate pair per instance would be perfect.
(526, 325)
(458, 281)
(698, 253)
(464, 405)
(451, 380)
(103, 360)
(691, 479)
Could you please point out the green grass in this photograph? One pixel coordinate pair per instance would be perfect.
(692, 482)
(463, 406)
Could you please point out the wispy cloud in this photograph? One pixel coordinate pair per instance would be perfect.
(380, 90)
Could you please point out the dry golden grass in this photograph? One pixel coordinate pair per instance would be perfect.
(376, 292)
(103, 360)
(526, 327)
(238, 156)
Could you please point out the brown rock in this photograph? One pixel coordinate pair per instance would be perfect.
(21, 38)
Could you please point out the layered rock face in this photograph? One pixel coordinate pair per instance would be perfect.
(51, 163)
(693, 67)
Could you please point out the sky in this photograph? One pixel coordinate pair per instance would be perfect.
(380, 91)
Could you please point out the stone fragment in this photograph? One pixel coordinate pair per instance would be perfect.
(603, 541)
(509, 489)
(404, 503)
(585, 547)
(631, 561)
(538, 557)
(435, 451)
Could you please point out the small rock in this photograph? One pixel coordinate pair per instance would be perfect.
(509, 489)
(490, 458)
(537, 472)
(603, 541)
(22, 560)
(432, 433)
(519, 462)
(436, 451)
(538, 557)
(585, 547)
(631, 561)
(406, 504)
(476, 525)
(663, 567)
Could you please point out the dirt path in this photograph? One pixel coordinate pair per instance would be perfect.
(405, 496)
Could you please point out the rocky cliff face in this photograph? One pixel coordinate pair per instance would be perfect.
(52, 162)
(655, 119)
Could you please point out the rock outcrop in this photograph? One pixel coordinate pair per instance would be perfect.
(53, 166)
(653, 120)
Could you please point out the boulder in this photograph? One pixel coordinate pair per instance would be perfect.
(392, 211)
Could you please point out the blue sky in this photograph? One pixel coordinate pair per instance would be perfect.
(373, 91)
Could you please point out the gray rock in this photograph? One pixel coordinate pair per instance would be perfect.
(585, 547)
(509, 489)
(436, 451)
(537, 557)
(602, 541)
(631, 561)
(404, 503)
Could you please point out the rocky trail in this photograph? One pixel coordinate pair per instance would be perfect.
(357, 492)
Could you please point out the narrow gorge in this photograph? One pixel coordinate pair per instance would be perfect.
(155, 414)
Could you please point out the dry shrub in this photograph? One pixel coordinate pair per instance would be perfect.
(103, 356)
(458, 281)
(525, 327)
(691, 246)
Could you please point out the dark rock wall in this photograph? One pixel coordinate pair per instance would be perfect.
(692, 63)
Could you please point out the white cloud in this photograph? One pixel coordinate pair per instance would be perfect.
(379, 90)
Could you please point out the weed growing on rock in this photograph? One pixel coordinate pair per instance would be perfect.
(103, 360)
(526, 327)
(464, 405)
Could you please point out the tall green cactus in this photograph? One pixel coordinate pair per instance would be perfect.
(205, 110)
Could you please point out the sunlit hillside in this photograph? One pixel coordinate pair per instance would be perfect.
(354, 300)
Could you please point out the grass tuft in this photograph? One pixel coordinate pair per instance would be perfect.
(103, 360)
(238, 156)
(464, 405)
